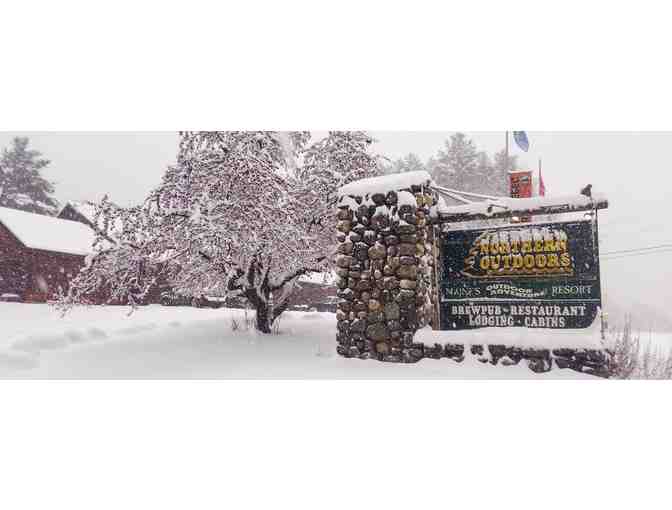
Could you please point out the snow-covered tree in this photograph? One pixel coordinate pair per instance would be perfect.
(631, 359)
(460, 165)
(500, 170)
(456, 165)
(432, 167)
(21, 185)
(241, 213)
(409, 163)
(481, 180)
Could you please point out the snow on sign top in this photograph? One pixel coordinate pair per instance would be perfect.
(385, 183)
(48, 233)
(490, 206)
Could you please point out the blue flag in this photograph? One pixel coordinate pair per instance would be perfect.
(521, 140)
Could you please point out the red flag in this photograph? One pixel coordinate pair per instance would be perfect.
(542, 187)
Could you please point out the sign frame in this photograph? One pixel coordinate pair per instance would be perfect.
(509, 310)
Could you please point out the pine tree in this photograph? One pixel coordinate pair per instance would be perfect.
(21, 185)
(457, 165)
(431, 166)
(461, 166)
(481, 179)
(409, 163)
(500, 173)
(385, 166)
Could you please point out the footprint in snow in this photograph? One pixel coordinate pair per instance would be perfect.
(15, 360)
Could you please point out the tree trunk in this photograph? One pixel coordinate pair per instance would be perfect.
(266, 310)
(263, 322)
(268, 301)
(264, 317)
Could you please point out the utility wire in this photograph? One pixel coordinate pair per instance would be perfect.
(636, 254)
(634, 250)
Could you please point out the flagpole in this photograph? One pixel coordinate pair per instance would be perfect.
(506, 160)
(506, 145)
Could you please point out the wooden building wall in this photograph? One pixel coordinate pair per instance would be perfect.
(35, 275)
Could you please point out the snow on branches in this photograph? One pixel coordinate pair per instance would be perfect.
(241, 212)
(22, 185)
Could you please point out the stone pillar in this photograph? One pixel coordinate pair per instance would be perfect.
(385, 272)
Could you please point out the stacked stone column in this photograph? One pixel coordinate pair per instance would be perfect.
(385, 270)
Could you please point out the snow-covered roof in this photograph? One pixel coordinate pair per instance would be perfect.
(385, 183)
(86, 209)
(48, 233)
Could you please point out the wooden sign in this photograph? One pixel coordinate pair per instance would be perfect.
(535, 276)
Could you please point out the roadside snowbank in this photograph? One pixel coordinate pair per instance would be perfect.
(187, 343)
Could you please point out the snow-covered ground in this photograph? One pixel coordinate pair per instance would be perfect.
(183, 342)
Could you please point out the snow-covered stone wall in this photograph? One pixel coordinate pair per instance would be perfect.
(385, 266)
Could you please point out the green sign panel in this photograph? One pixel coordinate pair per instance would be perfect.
(527, 275)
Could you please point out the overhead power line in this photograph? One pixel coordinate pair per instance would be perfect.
(637, 254)
(635, 250)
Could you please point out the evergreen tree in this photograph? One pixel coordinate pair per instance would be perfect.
(457, 165)
(410, 163)
(481, 180)
(500, 173)
(462, 167)
(21, 185)
(431, 166)
(385, 166)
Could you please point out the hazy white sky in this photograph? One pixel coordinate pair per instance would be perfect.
(633, 169)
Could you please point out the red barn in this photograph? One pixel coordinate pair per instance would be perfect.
(83, 212)
(39, 254)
